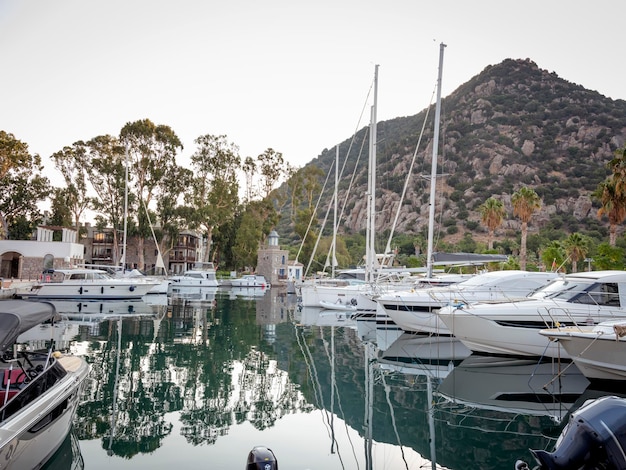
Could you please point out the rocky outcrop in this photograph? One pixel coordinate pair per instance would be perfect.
(513, 125)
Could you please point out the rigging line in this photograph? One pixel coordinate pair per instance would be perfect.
(333, 389)
(317, 241)
(410, 172)
(326, 414)
(356, 165)
(345, 201)
(308, 229)
(393, 419)
(306, 360)
(156, 243)
(354, 134)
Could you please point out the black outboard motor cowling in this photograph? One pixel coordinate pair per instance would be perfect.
(595, 437)
(262, 458)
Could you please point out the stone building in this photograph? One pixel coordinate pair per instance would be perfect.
(272, 262)
(53, 247)
(187, 249)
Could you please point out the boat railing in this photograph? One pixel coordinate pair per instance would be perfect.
(31, 380)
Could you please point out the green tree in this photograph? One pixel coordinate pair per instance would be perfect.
(608, 257)
(215, 190)
(70, 161)
(257, 221)
(105, 163)
(618, 166)
(23, 186)
(525, 202)
(612, 204)
(170, 214)
(152, 153)
(249, 169)
(576, 248)
(492, 214)
(60, 212)
(13, 154)
(272, 167)
(553, 255)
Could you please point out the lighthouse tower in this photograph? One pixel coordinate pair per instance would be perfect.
(272, 261)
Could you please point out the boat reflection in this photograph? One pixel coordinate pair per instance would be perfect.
(104, 307)
(206, 294)
(423, 354)
(68, 456)
(516, 386)
(317, 316)
(248, 292)
(208, 369)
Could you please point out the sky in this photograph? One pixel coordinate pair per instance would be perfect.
(291, 75)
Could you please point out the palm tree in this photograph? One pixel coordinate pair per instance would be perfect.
(618, 167)
(576, 248)
(525, 202)
(613, 205)
(492, 214)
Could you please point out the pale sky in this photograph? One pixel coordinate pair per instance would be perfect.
(287, 74)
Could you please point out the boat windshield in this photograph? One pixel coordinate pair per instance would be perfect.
(580, 291)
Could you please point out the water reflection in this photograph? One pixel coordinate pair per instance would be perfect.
(207, 377)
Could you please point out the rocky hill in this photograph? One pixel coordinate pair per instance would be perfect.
(510, 126)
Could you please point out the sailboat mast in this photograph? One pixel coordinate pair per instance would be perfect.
(334, 259)
(370, 250)
(433, 171)
(123, 259)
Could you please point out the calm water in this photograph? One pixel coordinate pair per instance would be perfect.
(199, 382)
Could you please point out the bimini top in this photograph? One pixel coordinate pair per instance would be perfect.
(18, 316)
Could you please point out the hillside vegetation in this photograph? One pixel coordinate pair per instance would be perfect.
(511, 126)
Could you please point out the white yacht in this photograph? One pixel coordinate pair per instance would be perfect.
(81, 283)
(250, 280)
(415, 309)
(512, 328)
(598, 351)
(39, 391)
(201, 276)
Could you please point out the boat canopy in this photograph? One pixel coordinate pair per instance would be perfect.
(18, 316)
(441, 259)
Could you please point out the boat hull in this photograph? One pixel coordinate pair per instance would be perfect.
(250, 281)
(357, 296)
(416, 310)
(599, 356)
(494, 329)
(32, 435)
(85, 290)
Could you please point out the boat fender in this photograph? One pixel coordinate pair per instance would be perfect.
(131, 288)
(521, 465)
(261, 458)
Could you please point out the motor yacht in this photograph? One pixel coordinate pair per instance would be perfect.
(512, 328)
(82, 283)
(39, 390)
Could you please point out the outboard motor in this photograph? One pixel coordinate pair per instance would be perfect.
(595, 437)
(262, 458)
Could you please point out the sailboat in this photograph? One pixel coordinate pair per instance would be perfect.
(161, 283)
(352, 295)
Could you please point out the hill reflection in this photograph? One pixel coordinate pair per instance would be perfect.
(203, 367)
